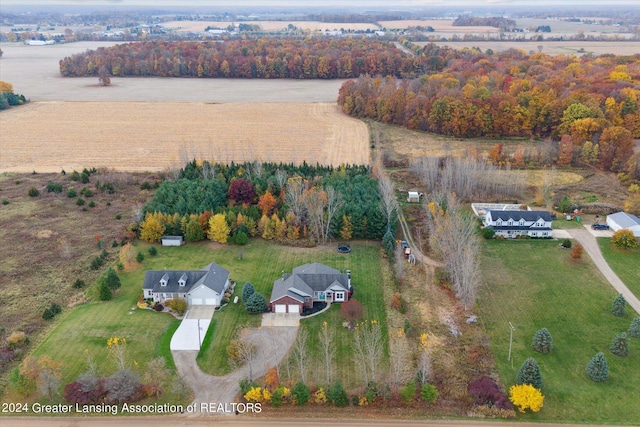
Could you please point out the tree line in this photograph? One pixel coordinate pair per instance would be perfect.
(230, 203)
(268, 58)
(472, 94)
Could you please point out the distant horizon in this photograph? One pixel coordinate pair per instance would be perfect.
(315, 4)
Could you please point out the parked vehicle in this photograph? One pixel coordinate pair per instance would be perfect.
(599, 226)
(404, 244)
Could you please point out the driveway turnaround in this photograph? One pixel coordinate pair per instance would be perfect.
(192, 329)
(588, 241)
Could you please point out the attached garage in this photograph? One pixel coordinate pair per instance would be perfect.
(210, 301)
(281, 308)
(197, 301)
(294, 308)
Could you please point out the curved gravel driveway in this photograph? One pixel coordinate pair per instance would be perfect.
(273, 343)
(590, 244)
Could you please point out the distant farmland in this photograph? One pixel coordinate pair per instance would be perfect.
(145, 136)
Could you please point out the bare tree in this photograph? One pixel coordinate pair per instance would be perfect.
(103, 76)
(137, 212)
(369, 346)
(326, 337)
(242, 352)
(300, 353)
(49, 377)
(281, 178)
(453, 236)
(156, 375)
(334, 202)
(398, 353)
(294, 197)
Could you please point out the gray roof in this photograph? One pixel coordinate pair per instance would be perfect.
(212, 276)
(624, 220)
(517, 215)
(172, 238)
(307, 279)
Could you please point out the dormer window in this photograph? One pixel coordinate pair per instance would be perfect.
(499, 222)
(183, 280)
(164, 280)
(522, 222)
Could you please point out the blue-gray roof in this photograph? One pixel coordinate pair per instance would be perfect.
(212, 276)
(307, 279)
(624, 220)
(518, 215)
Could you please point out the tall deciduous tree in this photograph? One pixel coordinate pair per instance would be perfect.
(152, 228)
(241, 191)
(241, 352)
(218, 229)
(300, 353)
(326, 337)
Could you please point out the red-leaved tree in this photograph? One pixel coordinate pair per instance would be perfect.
(241, 191)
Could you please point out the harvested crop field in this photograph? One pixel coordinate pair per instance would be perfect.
(146, 136)
(549, 47)
(273, 25)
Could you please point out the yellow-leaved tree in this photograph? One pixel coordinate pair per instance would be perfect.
(6, 87)
(218, 229)
(152, 228)
(526, 396)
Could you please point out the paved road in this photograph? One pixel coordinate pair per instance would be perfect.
(590, 244)
(273, 343)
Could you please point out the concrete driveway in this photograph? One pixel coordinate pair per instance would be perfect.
(280, 319)
(192, 329)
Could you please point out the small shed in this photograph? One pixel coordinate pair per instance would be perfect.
(172, 240)
(414, 197)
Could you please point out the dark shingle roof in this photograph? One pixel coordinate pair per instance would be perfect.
(517, 215)
(212, 276)
(307, 279)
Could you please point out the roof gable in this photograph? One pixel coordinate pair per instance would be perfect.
(212, 276)
(529, 216)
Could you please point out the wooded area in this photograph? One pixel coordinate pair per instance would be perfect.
(510, 94)
(273, 201)
(262, 58)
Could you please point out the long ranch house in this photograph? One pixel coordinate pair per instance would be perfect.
(511, 224)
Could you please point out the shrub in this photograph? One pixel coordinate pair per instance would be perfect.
(597, 368)
(54, 187)
(92, 204)
(397, 303)
(337, 395)
(75, 176)
(241, 238)
(620, 345)
(256, 304)
(429, 393)
(71, 192)
(118, 216)
(301, 393)
(84, 178)
(542, 341)
(79, 284)
(530, 374)
(634, 328)
(86, 192)
(619, 305)
(279, 394)
(408, 392)
(625, 239)
(246, 385)
(5, 201)
(321, 397)
(96, 263)
(152, 251)
(526, 396)
(139, 256)
(179, 305)
(33, 192)
(566, 243)
(408, 330)
(16, 339)
(123, 386)
(51, 312)
(158, 307)
(145, 186)
(486, 392)
(80, 201)
(351, 310)
(576, 251)
(247, 291)
(488, 233)
(88, 389)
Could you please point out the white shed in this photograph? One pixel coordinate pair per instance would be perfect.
(414, 197)
(172, 240)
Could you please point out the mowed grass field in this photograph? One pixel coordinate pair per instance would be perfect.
(261, 264)
(624, 262)
(535, 284)
(154, 136)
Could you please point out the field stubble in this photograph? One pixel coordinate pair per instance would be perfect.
(153, 136)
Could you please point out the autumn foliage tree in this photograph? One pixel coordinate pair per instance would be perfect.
(526, 396)
(241, 191)
(267, 203)
(625, 239)
(152, 228)
(218, 229)
(576, 251)
(351, 310)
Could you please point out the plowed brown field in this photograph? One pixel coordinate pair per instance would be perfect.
(145, 136)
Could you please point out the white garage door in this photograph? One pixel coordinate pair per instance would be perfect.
(210, 301)
(197, 301)
(281, 308)
(294, 308)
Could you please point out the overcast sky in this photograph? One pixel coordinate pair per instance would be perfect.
(350, 4)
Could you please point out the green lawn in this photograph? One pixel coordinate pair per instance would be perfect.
(562, 223)
(263, 262)
(625, 263)
(534, 284)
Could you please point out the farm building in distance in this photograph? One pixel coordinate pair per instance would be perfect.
(623, 220)
(414, 197)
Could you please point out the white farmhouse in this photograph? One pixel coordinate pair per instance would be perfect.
(510, 224)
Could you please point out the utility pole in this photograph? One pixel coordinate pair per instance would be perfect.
(511, 329)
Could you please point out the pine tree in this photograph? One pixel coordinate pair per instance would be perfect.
(620, 345)
(105, 291)
(256, 304)
(618, 306)
(634, 328)
(597, 368)
(530, 373)
(542, 341)
(247, 291)
(389, 242)
(112, 279)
